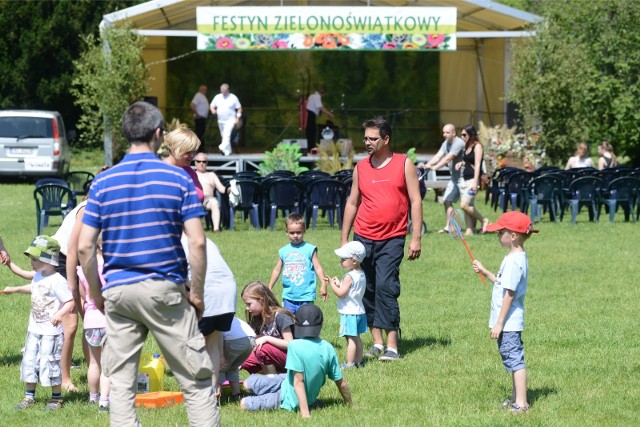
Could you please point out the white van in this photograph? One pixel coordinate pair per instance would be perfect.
(33, 143)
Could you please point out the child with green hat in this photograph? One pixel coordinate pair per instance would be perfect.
(51, 300)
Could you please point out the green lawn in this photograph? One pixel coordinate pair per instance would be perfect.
(581, 339)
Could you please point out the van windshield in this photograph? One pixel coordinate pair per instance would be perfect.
(23, 127)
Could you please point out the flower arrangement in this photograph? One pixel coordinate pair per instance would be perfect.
(282, 157)
(335, 156)
(504, 147)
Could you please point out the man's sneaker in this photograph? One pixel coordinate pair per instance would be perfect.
(53, 405)
(517, 409)
(373, 353)
(25, 404)
(389, 356)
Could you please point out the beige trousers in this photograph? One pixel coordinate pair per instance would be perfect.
(162, 308)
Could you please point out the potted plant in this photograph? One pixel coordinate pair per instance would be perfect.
(282, 157)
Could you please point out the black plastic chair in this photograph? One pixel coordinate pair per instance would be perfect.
(583, 191)
(249, 202)
(621, 192)
(52, 200)
(343, 174)
(325, 194)
(78, 181)
(285, 194)
(497, 186)
(543, 170)
(514, 190)
(544, 191)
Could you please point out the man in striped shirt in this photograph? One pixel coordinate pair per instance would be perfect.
(141, 206)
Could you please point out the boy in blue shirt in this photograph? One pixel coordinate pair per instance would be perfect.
(310, 360)
(298, 262)
(507, 302)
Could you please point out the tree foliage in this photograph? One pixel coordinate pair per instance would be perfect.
(40, 39)
(578, 77)
(109, 75)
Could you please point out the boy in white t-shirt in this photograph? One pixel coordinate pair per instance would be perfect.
(353, 320)
(507, 302)
(51, 300)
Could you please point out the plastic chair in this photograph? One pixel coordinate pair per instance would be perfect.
(284, 194)
(622, 192)
(322, 193)
(497, 187)
(583, 191)
(249, 203)
(51, 200)
(59, 181)
(78, 181)
(544, 191)
(513, 190)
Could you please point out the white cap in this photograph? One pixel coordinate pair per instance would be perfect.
(353, 250)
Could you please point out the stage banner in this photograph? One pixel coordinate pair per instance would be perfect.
(338, 28)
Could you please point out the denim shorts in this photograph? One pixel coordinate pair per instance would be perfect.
(293, 306)
(511, 350)
(41, 359)
(352, 325)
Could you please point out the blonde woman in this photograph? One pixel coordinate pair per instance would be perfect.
(183, 145)
(607, 158)
(581, 159)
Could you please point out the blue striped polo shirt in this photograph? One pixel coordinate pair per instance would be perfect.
(141, 205)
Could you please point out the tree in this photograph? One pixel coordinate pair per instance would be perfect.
(40, 39)
(578, 77)
(109, 76)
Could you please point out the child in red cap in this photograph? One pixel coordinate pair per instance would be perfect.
(507, 302)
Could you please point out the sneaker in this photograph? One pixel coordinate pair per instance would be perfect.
(373, 353)
(25, 404)
(361, 364)
(103, 408)
(53, 405)
(346, 365)
(517, 409)
(389, 356)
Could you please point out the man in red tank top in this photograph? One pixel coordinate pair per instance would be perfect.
(385, 190)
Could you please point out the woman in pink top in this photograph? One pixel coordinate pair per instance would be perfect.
(183, 146)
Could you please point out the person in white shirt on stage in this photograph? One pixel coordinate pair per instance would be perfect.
(229, 111)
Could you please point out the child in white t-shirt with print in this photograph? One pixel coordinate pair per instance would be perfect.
(51, 300)
(353, 320)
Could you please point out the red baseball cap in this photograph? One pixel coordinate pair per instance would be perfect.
(513, 221)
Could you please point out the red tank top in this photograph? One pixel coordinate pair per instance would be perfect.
(384, 204)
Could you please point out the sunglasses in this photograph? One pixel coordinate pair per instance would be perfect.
(201, 161)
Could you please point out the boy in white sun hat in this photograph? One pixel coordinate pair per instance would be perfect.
(51, 300)
(507, 302)
(349, 290)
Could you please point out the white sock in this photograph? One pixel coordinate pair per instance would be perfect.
(379, 346)
(393, 350)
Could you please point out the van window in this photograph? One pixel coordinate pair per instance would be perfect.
(21, 127)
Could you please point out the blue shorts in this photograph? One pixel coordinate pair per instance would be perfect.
(352, 325)
(511, 350)
(41, 359)
(265, 390)
(293, 306)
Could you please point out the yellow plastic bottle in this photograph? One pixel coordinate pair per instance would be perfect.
(150, 374)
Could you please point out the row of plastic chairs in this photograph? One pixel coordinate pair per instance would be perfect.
(557, 190)
(261, 198)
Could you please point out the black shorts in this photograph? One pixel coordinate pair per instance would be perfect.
(209, 325)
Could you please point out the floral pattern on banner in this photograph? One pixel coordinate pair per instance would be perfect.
(329, 41)
(504, 147)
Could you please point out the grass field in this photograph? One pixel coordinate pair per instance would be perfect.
(581, 340)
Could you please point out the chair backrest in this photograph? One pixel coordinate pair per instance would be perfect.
(622, 189)
(78, 181)
(543, 170)
(250, 193)
(519, 180)
(247, 175)
(54, 199)
(283, 192)
(324, 193)
(282, 173)
(59, 181)
(545, 187)
(343, 174)
(585, 188)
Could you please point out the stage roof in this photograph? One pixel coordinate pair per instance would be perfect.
(175, 18)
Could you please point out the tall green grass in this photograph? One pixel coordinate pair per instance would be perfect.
(581, 339)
